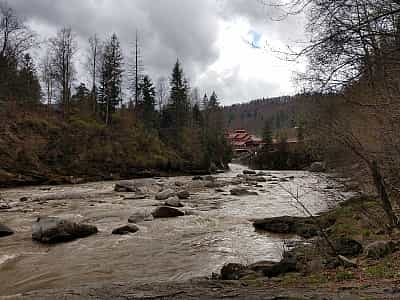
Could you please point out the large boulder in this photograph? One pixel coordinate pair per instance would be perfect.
(304, 227)
(167, 212)
(281, 225)
(127, 229)
(379, 249)
(5, 231)
(139, 217)
(267, 268)
(347, 247)
(242, 192)
(174, 202)
(165, 194)
(318, 167)
(56, 230)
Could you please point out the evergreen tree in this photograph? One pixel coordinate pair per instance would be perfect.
(214, 102)
(216, 147)
(148, 102)
(177, 112)
(198, 120)
(111, 79)
(29, 90)
(82, 100)
(205, 102)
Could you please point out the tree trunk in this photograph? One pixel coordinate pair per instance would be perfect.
(380, 186)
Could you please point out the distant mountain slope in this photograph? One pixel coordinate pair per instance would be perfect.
(282, 112)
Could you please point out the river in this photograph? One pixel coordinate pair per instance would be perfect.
(217, 229)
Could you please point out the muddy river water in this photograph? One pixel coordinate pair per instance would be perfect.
(216, 229)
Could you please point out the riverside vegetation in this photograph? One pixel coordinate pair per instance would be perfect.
(51, 132)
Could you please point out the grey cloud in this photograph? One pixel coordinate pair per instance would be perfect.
(184, 29)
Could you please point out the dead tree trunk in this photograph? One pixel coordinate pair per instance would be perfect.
(381, 189)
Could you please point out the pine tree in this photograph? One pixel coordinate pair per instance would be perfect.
(179, 105)
(148, 102)
(204, 103)
(111, 79)
(214, 102)
(28, 83)
(216, 148)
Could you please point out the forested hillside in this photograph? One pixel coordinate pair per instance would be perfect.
(54, 128)
(280, 113)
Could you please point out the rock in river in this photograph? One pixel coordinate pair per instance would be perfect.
(242, 192)
(249, 172)
(139, 217)
(125, 187)
(5, 231)
(167, 212)
(183, 195)
(130, 228)
(56, 230)
(304, 227)
(173, 202)
(164, 195)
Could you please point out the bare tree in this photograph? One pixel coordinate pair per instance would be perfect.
(15, 37)
(135, 73)
(353, 53)
(47, 76)
(63, 48)
(162, 90)
(93, 66)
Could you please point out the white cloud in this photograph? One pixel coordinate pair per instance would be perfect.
(245, 71)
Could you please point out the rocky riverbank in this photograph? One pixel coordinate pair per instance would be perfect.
(349, 249)
(146, 230)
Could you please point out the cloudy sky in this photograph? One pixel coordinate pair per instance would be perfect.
(224, 45)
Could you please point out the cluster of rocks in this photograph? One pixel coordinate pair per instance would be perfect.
(341, 249)
(56, 230)
(301, 259)
(234, 271)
